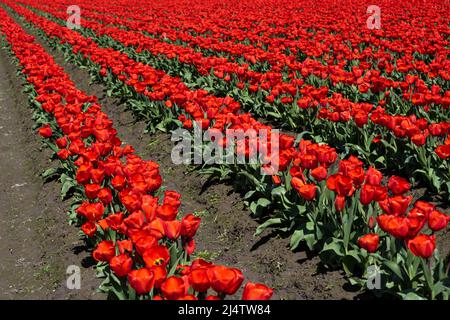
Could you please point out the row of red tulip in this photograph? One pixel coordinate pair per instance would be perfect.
(339, 108)
(268, 81)
(308, 165)
(138, 235)
(295, 39)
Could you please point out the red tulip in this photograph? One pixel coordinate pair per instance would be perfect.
(172, 229)
(45, 131)
(396, 226)
(398, 185)
(395, 205)
(308, 191)
(141, 280)
(225, 280)
(167, 212)
(256, 291)
(121, 265)
(159, 275)
(443, 151)
(105, 251)
(369, 242)
(173, 288)
(105, 196)
(367, 194)
(115, 220)
(156, 256)
(320, 173)
(92, 190)
(89, 228)
(63, 154)
(339, 203)
(437, 220)
(373, 176)
(189, 225)
(422, 245)
(198, 278)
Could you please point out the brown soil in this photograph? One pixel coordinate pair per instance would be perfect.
(226, 233)
(36, 242)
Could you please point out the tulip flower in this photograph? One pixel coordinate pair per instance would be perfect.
(141, 280)
(105, 251)
(45, 131)
(422, 245)
(256, 291)
(369, 242)
(121, 265)
(225, 280)
(173, 288)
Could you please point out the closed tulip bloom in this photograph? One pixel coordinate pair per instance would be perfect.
(398, 185)
(45, 131)
(63, 154)
(320, 173)
(198, 278)
(173, 288)
(308, 161)
(367, 194)
(141, 280)
(167, 212)
(225, 280)
(395, 205)
(437, 220)
(105, 251)
(105, 196)
(92, 190)
(61, 142)
(307, 191)
(339, 203)
(296, 182)
(369, 242)
(98, 175)
(443, 151)
(121, 265)
(118, 182)
(256, 291)
(189, 225)
(422, 245)
(373, 176)
(172, 229)
(396, 226)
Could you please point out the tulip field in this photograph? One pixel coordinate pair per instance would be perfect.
(348, 102)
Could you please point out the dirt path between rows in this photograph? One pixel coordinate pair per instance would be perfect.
(36, 242)
(226, 233)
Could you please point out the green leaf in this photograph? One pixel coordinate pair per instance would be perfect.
(412, 296)
(394, 267)
(266, 224)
